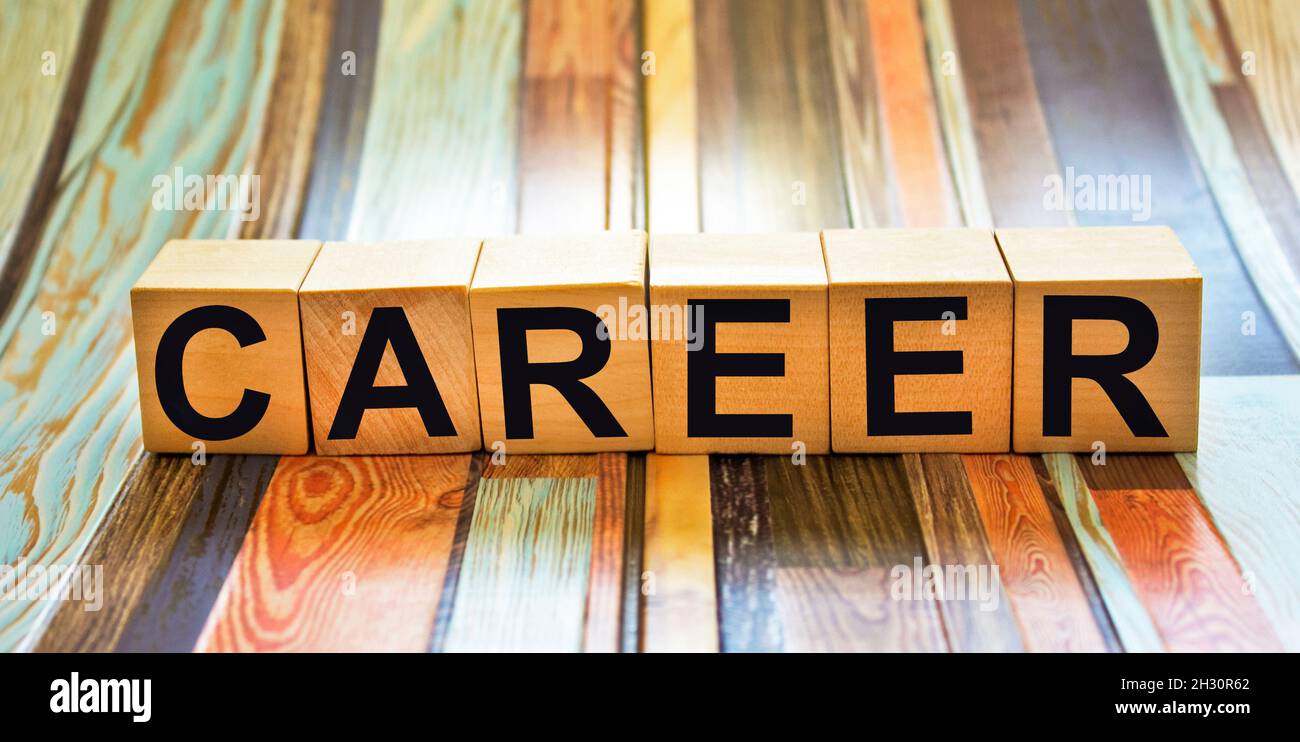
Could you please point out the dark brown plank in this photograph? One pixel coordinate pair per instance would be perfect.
(745, 554)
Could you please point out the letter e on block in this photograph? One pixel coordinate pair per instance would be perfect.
(920, 328)
(390, 357)
(219, 346)
(563, 362)
(1108, 339)
(740, 346)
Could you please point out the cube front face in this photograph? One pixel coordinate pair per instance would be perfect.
(920, 326)
(1100, 360)
(446, 420)
(970, 394)
(390, 358)
(550, 380)
(745, 375)
(745, 369)
(230, 371)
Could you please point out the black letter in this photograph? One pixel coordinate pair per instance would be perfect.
(388, 325)
(884, 363)
(518, 375)
(169, 374)
(704, 365)
(1060, 365)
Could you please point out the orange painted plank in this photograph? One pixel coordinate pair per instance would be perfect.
(1178, 562)
(344, 554)
(920, 171)
(1036, 571)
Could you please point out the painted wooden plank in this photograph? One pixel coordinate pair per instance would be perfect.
(445, 92)
(1193, 588)
(626, 190)
(39, 46)
(1245, 472)
(924, 189)
(71, 436)
(565, 105)
(671, 143)
(746, 557)
(1128, 615)
(1047, 597)
(680, 601)
(1269, 30)
(523, 583)
(1275, 276)
(633, 554)
(137, 536)
(456, 557)
(1135, 105)
(954, 113)
(866, 176)
(788, 170)
(173, 608)
(1075, 552)
(955, 541)
(603, 621)
(361, 540)
(349, 78)
(1015, 150)
(849, 548)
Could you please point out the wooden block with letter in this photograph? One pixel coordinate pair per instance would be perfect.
(1107, 339)
(920, 340)
(219, 346)
(551, 377)
(739, 343)
(390, 356)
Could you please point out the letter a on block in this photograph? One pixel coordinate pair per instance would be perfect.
(219, 346)
(561, 368)
(920, 326)
(740, 346)
(390, 359)
(1107, 339)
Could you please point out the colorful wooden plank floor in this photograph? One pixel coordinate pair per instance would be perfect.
(407, 119)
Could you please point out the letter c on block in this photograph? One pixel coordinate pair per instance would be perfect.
(169, 376)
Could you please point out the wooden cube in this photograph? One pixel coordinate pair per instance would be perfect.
(390, 355)
(219, 346)
(559, 368)
(1108, 339)
(920, 336)
(739, 343)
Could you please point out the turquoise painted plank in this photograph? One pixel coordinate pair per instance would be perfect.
(176, 86)
(523, 581)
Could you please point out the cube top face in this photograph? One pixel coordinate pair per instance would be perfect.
(752, 375)
(917, 256)
(939, 293)
(221, 265)
(1082, 254)
(528, 262)
(790, 259)
(396, 315)
(1108, 348)
(548, 383)
(406, 264)
(219, 347)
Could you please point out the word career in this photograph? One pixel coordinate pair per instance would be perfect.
(958, 340)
